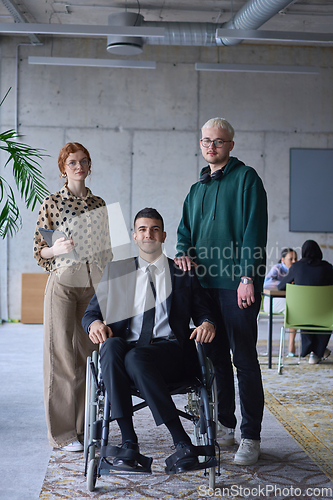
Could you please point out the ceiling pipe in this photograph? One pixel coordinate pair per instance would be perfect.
(192, 34)
(252, 15)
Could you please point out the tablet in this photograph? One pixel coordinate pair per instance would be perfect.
(51, 236)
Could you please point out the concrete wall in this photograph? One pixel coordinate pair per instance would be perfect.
(141, 128)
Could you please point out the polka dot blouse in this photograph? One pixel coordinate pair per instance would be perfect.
(84, 220)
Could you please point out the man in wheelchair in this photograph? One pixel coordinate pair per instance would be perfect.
(141, 315)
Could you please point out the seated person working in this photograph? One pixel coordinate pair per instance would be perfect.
(144, 343)
(311, 270)
(272, 280)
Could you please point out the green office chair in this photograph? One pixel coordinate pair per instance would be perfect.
(307, 308)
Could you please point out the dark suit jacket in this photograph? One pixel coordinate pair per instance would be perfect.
(113, 300)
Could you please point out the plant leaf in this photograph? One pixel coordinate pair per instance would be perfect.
(5, 95)
(26, 169)
(28, 179)
(10, 219)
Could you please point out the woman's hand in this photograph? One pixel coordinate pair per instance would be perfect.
(62, 246)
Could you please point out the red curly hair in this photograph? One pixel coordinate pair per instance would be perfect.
(70, 147)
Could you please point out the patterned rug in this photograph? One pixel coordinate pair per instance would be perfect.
(299, 403)
(302, 401)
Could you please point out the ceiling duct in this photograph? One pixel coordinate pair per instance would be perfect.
(252, 15)
(191, 34)
(125, 45)
(130, 32)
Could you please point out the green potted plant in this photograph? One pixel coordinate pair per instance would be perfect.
(28, 179)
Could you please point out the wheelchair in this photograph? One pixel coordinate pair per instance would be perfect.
(201, 409)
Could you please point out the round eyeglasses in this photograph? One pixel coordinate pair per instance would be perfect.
(218, 143)
(74, 164)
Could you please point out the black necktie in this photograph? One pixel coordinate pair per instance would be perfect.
(149, 314)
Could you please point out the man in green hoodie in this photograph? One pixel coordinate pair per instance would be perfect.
(223, 232)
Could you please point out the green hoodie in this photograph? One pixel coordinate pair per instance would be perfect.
(224, 228)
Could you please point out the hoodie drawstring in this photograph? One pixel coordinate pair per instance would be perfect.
(202, 202)
(215, 204)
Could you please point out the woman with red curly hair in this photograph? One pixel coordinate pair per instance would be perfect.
(75, 258)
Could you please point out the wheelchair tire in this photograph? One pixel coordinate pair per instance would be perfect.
(92, 474)
(208, 399)
(90, 406)
(87, 405)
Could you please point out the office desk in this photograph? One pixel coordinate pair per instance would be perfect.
(272, 294)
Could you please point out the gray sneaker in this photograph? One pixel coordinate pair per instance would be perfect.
(225, 435)
(313, 358)
(248, 452)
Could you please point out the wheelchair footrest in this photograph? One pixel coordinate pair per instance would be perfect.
(142, 463)
(207, 451)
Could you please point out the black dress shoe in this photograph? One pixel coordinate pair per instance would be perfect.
(187, 461)
(125, 464)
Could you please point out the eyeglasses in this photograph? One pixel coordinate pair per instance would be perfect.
(74, 164)
(218, 143)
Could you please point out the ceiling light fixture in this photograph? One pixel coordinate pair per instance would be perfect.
(276, 36)
(256, 68)
(97, 63)
(82, 30)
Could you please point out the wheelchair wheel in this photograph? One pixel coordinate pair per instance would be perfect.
(90, 406)
(205, 400)
(92, 474)
(196, 405)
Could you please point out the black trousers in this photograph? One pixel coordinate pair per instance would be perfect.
(236, 330)
(314, 342)
(148, 368)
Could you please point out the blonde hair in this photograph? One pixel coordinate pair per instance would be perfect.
(220, 123)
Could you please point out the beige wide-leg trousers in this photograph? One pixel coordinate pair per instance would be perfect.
(66, 347)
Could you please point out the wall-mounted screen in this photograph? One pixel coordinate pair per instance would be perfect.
(311, 190)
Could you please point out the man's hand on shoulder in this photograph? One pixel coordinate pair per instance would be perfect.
(98, 332)
(184, 263)
(204, 333)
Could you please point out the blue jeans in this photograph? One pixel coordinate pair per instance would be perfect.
(237, 331)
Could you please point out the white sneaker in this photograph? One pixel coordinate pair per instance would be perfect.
(73, 446)
(313, 358)
(248, 452)
(225, 435)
